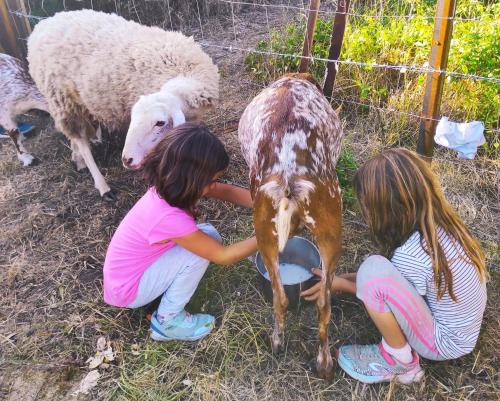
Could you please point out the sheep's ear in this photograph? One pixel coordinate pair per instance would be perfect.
(178, 118)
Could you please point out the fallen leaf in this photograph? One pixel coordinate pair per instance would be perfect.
(88, 382)
(108, 354)
(95, 361)
(135, 349)
(101, 344)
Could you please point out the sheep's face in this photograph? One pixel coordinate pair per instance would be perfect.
(150, 120)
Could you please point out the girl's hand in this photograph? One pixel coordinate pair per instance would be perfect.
(312, 293)
(343, 283)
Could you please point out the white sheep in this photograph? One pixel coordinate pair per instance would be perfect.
(19, 94)
(94, 68)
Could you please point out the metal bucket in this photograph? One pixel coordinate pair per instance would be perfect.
(298, 251)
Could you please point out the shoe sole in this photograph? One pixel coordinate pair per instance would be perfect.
(403, 379)
(159, 337)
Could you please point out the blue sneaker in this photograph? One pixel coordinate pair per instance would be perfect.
(23, 128)
(372, 364)
(183, 327)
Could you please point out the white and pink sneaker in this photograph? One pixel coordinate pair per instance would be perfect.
(372, 364)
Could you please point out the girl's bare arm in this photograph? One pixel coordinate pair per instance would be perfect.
(205, 246)
(231, 193)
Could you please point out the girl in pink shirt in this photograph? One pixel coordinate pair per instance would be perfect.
(158, 248)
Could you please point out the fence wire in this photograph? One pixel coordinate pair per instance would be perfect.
(351, 14)
(301, 9)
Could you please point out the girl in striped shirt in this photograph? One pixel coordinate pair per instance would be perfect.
(426, 292)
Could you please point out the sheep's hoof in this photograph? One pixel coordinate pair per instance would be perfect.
(34, 162)
(110, 196)
(80, 169)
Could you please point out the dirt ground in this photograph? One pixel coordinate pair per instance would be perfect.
(53, 238)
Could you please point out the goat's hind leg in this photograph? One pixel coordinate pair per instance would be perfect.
(267, 239)
(326, 226)
(17, 138)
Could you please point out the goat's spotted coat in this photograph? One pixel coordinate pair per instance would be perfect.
(290, 130)
(290, 138)
(19, 94)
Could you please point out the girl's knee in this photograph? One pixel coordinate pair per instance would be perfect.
(209, 229)
(374, 266)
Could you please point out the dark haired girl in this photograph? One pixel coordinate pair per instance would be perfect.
(158, 248)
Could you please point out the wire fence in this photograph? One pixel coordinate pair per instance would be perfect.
(229, 37)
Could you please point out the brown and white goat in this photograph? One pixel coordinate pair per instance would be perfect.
(290, 138)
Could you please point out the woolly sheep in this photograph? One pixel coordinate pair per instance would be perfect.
(19, 95)
(95, 67)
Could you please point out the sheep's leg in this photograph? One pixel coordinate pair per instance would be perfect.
(326, 225)
(98, 135)
(24, 157)
(267, 239)
(76, 157)
(83, 147)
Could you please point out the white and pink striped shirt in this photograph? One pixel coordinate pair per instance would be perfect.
(457, 324)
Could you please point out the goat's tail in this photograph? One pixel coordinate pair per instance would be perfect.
(285, 211)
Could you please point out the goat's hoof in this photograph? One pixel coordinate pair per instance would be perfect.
(110, 196)
(277, 349)
(325, 372)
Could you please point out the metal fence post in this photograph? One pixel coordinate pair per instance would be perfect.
(309, 35)
(13, 28)
(335, 46)
(443, 27)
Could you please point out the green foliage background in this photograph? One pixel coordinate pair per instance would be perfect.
(475, 49)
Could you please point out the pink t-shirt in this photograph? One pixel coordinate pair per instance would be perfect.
(134, 246)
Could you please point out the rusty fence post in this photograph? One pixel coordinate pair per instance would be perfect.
(14, 29)
(441, 38)
(309, 35)
(335, 46)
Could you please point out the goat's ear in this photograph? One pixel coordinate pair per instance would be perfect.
(178, 118)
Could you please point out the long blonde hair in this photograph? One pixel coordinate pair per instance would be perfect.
(398, 194)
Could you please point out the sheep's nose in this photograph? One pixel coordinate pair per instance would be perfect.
(127, 161)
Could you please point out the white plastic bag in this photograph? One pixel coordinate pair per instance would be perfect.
(462, 137)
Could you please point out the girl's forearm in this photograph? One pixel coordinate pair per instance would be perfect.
(238, 251)
(345, 285)
(232, 193)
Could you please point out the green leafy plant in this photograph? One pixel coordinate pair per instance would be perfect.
(475, 49)
(346, 167)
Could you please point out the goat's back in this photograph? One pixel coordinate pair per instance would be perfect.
(15, 81)
(290, 130)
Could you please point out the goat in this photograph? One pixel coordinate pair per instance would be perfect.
(19, 95)
(290, 138)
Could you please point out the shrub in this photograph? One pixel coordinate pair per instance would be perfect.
(475, 49)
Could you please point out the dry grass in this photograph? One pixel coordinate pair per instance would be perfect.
(55, 230)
